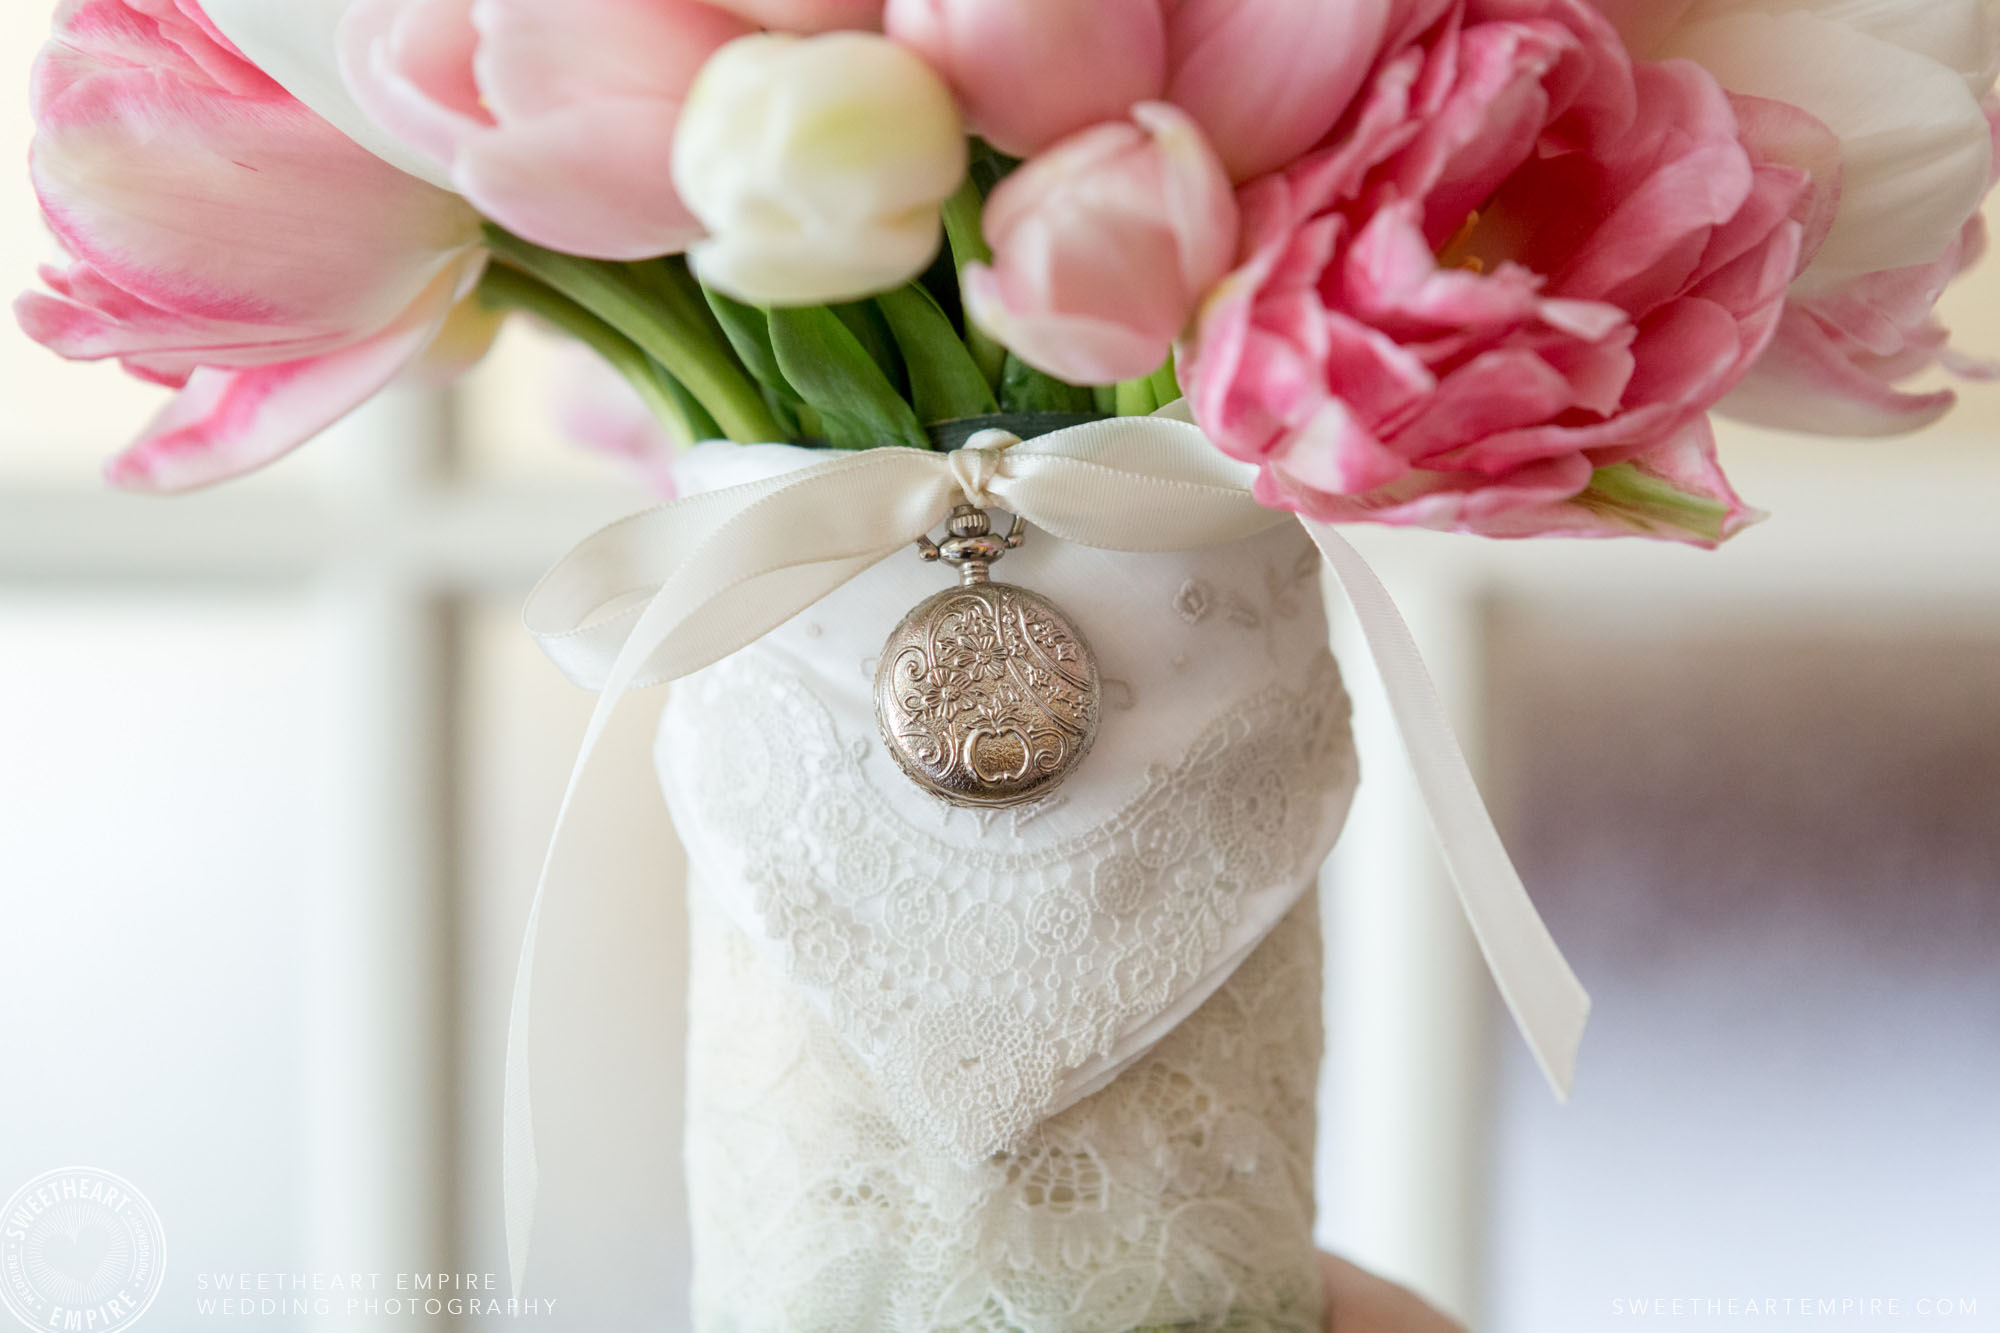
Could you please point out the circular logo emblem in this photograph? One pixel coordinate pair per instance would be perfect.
(80, 1248)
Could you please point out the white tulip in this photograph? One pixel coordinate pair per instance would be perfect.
(1898, 81)
(817, 164)
(293, 42)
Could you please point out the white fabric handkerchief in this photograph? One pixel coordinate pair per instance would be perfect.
(990, 968)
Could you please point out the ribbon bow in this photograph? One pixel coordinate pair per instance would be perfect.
(666, 592)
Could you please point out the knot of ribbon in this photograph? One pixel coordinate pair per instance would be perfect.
(666, 592)
(977, 463)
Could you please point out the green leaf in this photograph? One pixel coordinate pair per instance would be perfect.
(945, 383)
(822, 359)
(988, 166)
(871, 330)
(749, 332)
(1025, 389)
(962, 215)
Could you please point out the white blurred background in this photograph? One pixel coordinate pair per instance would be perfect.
(277, 764)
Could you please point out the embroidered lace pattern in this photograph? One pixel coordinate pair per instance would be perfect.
(1179, 1196)
(975, 978)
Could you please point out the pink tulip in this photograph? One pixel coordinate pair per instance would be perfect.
(1104, 245)
(557, 121)
(808, 15)
(1028, 72)
(1268, 78)
(1504, 300)
(224, 241)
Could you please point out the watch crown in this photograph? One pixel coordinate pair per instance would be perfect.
(973, 546)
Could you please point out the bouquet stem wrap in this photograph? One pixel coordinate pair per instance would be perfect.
(1044, 1069)
(666, 593)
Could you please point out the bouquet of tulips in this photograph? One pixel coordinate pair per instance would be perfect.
(1476, 265)
(1483, 266)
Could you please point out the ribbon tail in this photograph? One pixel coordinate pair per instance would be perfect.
(520, 1171)
(1547, 1001)
(694, 618)
(520, 1179)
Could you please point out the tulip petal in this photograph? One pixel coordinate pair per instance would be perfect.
(808, 15)
(409, 67)
(1917, 148)
(1676, 492)
(593, 179)
(1806, 381)
(229, 422)
(294, 41)
(534, 58)
(1962, 35)
(200, 201)
(101, 321)
(1644, 24)
(1081, 348)
(1268, 78)
(1030, 72)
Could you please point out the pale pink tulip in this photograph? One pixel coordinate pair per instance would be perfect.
(1898, 85)
(808, 15)
(596, 408)
(1503, 301)
(557, 121)
(1028, 72)
(1268, 78)
(1104, 245)
(1838, 359)
(225, 241)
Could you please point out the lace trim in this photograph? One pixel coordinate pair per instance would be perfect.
(975, 982)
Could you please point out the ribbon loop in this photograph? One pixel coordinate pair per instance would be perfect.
(668, 591)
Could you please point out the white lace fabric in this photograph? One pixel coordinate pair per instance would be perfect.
(901, 1011)
(1180, 1196)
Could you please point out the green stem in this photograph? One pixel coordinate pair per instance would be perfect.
(677, 411)
(692, 354)
(670, 280)
(1166, 383)
(1135, 397)
(968, 245)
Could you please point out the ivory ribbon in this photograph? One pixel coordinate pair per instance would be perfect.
(666, 592)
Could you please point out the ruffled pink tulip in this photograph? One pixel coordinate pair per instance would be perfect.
(225, 241)
(1103, 247)
(1028, 72)
(808, 15)
(557, 121)
(1503, 301)
(1645, 23)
